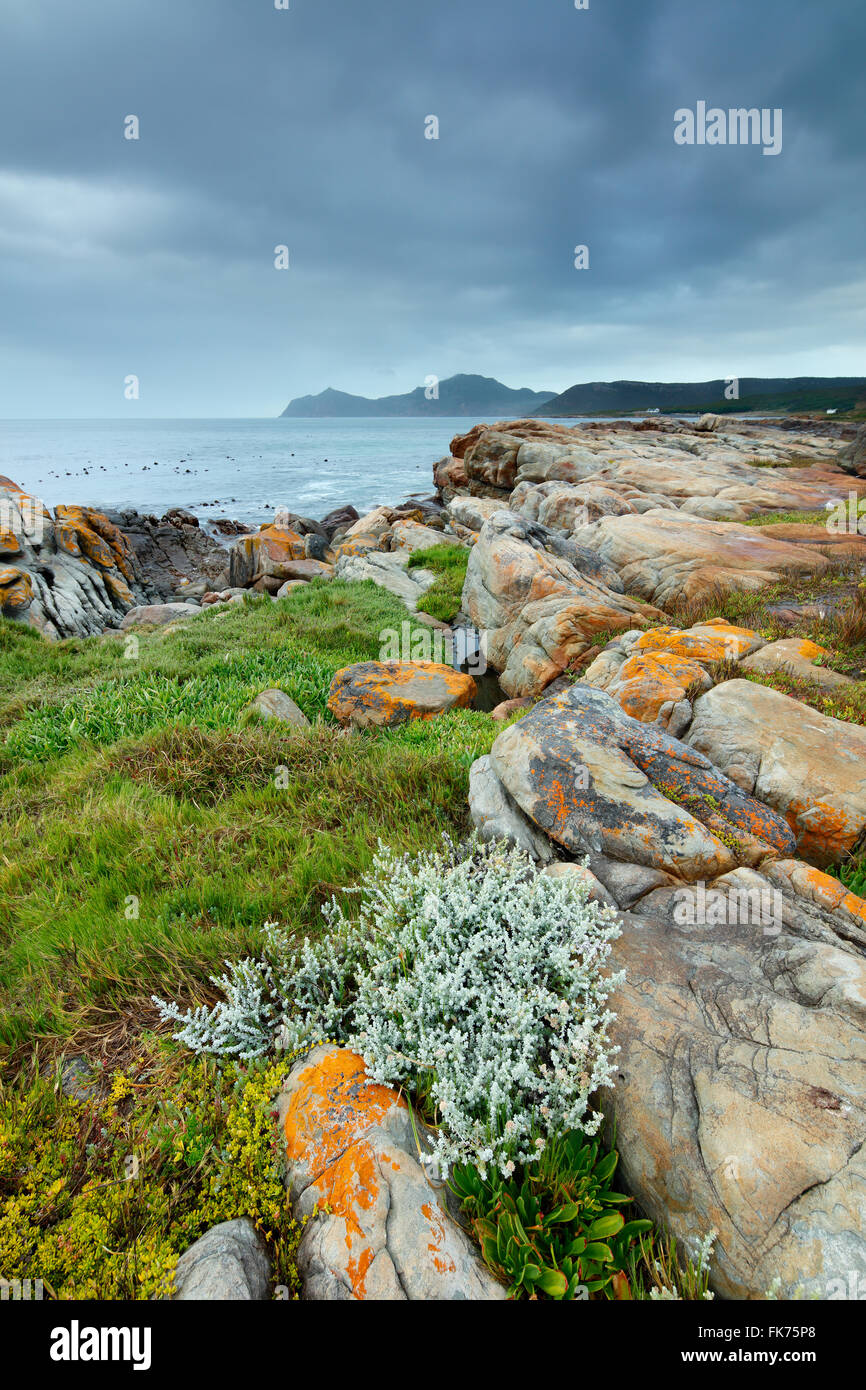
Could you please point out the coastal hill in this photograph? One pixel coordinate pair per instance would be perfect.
(484, 396)
(458, 395)
(786, 394)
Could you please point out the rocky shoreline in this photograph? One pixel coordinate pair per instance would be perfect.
(654, 758)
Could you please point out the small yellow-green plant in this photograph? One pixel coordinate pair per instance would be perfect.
(99, 1197)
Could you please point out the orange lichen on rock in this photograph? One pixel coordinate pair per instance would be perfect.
(9, 542)
(386, 693)
(336, 1089)
(711, 641)
(352, 1150)
(16, 588)
(648, 680)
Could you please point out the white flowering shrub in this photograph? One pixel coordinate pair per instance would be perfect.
(467, 976)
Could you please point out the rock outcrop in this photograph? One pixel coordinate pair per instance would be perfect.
(171, 549)
(597, 781)
(70, 574)
(740, 1103)
(665, 555)
(852, 459)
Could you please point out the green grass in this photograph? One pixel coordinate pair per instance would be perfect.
(817, 518)
(147, 830)
(442, 600)
(853, 874)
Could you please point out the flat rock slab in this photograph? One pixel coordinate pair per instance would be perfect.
(389, 571)
(386, 693)
(350, 1146)
(596, 780)
(228, 1263)
(667, 555)
(276, 704)
(811, 769)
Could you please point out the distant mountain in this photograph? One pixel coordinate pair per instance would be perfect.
(458, 395)
(755, 393)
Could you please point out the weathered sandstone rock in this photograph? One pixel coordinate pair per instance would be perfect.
(71, 574)
(472, 512)
(539, 609)
(808, 767)
(393, 692)
(852, 459)
(796, 656)
(740, 1102)
(654, 675)
(449, 477)
(385, 1232)
(413, 535)
(664, 555)
(598, 781)
(264, 555)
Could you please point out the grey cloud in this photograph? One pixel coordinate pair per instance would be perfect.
(411, 256)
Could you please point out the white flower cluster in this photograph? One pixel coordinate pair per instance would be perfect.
(467, 975)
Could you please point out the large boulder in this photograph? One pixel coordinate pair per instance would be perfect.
(386, 693)
(811, 769)
(540, 601)
(740, 1098)
(597, 781)
(354, 1151)
(265, 555)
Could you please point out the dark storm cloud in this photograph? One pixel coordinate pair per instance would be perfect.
(411, 256)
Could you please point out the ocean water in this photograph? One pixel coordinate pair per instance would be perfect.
(243, 469)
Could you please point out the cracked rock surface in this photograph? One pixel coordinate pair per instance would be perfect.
(740, 1100)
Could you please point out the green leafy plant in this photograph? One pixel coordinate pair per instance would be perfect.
(555, 1230)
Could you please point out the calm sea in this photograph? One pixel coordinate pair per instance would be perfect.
(237, 468)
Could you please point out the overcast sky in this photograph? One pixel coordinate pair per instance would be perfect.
(411, 256)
